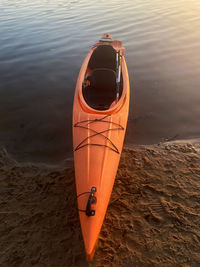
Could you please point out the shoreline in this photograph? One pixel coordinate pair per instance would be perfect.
(68, 162)
(153, 218)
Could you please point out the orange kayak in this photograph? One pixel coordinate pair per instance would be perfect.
(100, 113)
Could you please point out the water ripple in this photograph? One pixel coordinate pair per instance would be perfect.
(43, 44)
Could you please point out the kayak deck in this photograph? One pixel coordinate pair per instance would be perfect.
(100, 113)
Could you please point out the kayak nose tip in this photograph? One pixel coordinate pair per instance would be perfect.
(90, 255)
(90, 250)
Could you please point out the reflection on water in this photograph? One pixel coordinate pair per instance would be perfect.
(43, 44)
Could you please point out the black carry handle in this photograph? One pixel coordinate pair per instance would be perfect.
(89, 211)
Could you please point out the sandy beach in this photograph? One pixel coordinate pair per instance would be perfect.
(153, 218)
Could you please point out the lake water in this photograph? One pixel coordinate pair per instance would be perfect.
(42, 47)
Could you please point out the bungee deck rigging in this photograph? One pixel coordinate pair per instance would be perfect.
(89, 122)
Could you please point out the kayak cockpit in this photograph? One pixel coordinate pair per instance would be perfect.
(101, 87)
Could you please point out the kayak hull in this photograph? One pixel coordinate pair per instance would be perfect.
(98, 137)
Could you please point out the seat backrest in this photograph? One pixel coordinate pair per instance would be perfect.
(104, 56)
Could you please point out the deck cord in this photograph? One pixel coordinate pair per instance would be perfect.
(89, 122)
(81, 195)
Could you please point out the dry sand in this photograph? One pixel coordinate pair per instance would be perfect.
(153, 218)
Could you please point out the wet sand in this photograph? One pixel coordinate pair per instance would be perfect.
(153, 218)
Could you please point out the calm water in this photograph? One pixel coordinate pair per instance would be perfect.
(43, 44)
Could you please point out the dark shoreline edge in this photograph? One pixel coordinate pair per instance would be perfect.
(68, 162)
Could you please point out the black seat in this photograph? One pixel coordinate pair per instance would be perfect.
(104, 56)
(102, 89)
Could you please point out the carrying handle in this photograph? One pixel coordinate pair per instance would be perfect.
(89, 211)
